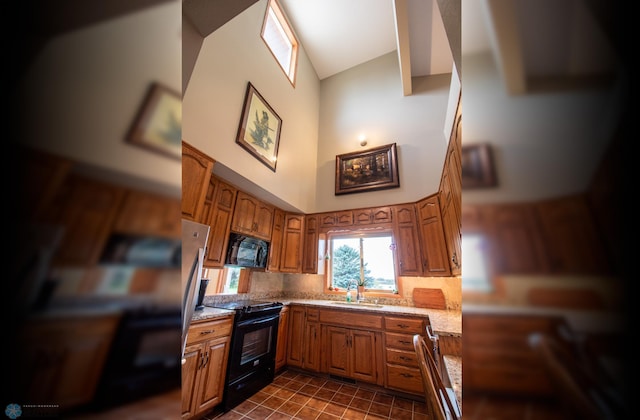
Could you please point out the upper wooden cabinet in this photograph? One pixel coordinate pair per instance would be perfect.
(252, 217)
(372, 215)
(450, 192)
(292, 243)
(434, 248)
(219, 220)
(310, 252)
(87, 209)
(407, 242)
(570, 236)
(275, 248)
(196, 172)
(335, 219)
(145, 213)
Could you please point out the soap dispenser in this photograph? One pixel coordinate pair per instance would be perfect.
(348, 295)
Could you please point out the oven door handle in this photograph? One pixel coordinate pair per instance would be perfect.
(258, 321)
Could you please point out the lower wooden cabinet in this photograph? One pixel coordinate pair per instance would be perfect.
(401, 364)
(63, 358)
(205, 365)
(283, 333)
(497, 357)
(351, 353)
(368, 347)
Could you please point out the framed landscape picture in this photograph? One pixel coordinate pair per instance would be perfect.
(259, 130)
(370, 170)
(158, 124)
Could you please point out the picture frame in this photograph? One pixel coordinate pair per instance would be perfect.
(370, 170)
(478, 169)
(259, 129)
(158, 124)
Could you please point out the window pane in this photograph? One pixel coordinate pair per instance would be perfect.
(231, 280)
(474, 270)
(376, 265)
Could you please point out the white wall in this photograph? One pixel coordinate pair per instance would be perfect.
(229, 58)
(83, 91)
(368, 99)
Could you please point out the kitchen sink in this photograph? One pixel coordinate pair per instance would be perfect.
(368, 305)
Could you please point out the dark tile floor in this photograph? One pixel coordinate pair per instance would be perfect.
(295, 395)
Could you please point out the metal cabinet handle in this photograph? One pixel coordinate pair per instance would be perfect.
(205, 332)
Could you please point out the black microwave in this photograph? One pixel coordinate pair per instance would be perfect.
(246, 251)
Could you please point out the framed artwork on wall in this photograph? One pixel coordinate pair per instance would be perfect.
(478, 170)
(158, 124)
(259, 130)
(370, 170)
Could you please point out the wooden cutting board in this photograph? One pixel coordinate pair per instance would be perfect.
(429, 298)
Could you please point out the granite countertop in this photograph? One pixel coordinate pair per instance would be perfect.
(208, 313)
(453, 370)
(581, 321)
(443, 322)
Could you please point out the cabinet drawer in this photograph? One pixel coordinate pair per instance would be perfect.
(313, 315)
(209, 329)
(404, 378)
(351, 319)
(399, 341)
(402, 357)
(516, 325)
(405, 325)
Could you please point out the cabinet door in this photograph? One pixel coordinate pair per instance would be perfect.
(212, 373)
(336, 350)
(363, 361)
(87, 209)
(434, 248)
(275, 247)
(407, 241)
(220, 224)
(311, 359)
(296, 336)
(194, 357)
(252, 217)
(310, 253)
(196, 172)
(283, 333)
(292, 243)
(144, 213)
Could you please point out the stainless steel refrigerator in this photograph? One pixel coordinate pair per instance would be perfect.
(194, 242)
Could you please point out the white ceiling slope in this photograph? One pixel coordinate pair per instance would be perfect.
(340, 34)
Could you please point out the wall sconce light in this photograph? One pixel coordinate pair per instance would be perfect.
(362, 139)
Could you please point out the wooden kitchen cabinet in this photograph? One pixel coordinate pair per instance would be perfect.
(303, 349)
(275, 247)
(450, 192)
(292, 243)
(87, 209)
(310, 247)
(372, 215)
(434, 247)
(283, 334)
(407, 246)
(497, 357)
(352, 345)
(252, 217)
(62, 358)
(335, 219)
(350, 353)
(196, 172)
(205, 365)
(401, 364)
(219, 221)
(149, 214)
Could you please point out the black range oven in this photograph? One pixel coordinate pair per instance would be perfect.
(252, 353)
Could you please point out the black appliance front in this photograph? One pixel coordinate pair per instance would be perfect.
(252, 354)
(144, 357)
